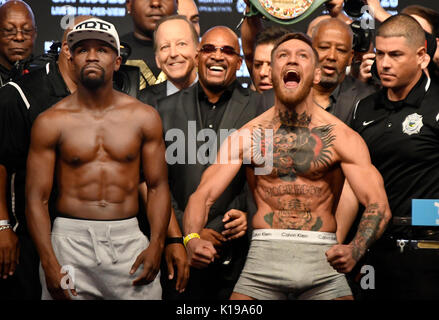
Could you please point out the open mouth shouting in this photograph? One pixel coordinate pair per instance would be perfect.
(291, 79)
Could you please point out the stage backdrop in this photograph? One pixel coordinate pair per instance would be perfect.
(51, 16)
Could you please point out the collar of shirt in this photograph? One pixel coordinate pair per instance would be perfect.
(414, 98)
(171, 88)
(224, 96)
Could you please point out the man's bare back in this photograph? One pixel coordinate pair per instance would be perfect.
(99, 154)
(305, 184)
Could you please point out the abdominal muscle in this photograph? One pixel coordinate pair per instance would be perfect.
(98, 192)
(296, 206)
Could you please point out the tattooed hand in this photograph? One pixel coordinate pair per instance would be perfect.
(341, 257)
(344, 257)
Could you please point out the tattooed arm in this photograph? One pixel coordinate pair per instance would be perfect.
(214, 181)
(368, 186)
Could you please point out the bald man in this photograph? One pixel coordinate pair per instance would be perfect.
(216, 102)
(17, 37)
(337, 92)
(400, 126)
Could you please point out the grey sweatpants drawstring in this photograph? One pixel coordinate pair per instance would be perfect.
(95, 245)
(113, 249)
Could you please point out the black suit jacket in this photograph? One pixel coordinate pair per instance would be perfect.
(152, 94)
(176, 111)
(217, 281)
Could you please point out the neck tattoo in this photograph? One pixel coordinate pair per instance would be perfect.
(292, 118)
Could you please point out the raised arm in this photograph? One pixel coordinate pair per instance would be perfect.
(158, 206)
(213, 183)
(250, 28)
(368, 186)
(39, 180)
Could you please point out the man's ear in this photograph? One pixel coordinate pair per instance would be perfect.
(117, 63)
(317, 75)
(66, 51)
(128, 5)
(423, 57)
(157, 62)
(239, 63)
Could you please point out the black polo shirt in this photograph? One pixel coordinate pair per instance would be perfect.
(20, 104)
(403, 140)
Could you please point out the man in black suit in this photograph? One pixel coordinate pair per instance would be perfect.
(216, 103)
(175, 47)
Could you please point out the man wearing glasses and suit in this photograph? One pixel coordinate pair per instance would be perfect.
(217, 101)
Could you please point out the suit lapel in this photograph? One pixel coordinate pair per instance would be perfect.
(235, 107)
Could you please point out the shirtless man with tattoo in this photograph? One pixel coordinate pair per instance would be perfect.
(294, 250)
(95, 141)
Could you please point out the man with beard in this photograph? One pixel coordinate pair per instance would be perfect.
(294, 249)
(337, 92)
(96, 138)
(217, 102)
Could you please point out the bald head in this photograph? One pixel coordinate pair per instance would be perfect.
(224, 32)
(17, 32)
(218, 59)
(16, 6)
(405, 26)
(312, 25)
(334, 24)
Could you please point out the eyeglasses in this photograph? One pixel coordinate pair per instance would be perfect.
(11, 33)
(210, 48)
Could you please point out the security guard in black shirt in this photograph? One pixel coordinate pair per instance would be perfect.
(400, 125)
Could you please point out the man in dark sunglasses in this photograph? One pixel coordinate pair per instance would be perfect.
(217, 102)
(17, 36)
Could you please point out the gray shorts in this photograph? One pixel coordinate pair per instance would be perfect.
(99, 256)
(291, 264)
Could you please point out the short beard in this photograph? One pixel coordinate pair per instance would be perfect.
(289, 100)
(92, 83)
(329, 82)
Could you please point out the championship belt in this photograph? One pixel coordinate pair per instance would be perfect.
(284, 11)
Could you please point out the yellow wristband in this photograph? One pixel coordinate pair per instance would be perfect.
(189, 237)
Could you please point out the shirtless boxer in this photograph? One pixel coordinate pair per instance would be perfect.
(94, 141)
(294, 250)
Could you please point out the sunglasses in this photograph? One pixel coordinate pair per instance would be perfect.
(210, 48)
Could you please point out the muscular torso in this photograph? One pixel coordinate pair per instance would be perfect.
(304, 186)
(97, 161)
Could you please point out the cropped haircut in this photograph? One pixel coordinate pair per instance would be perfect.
(403, 25)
